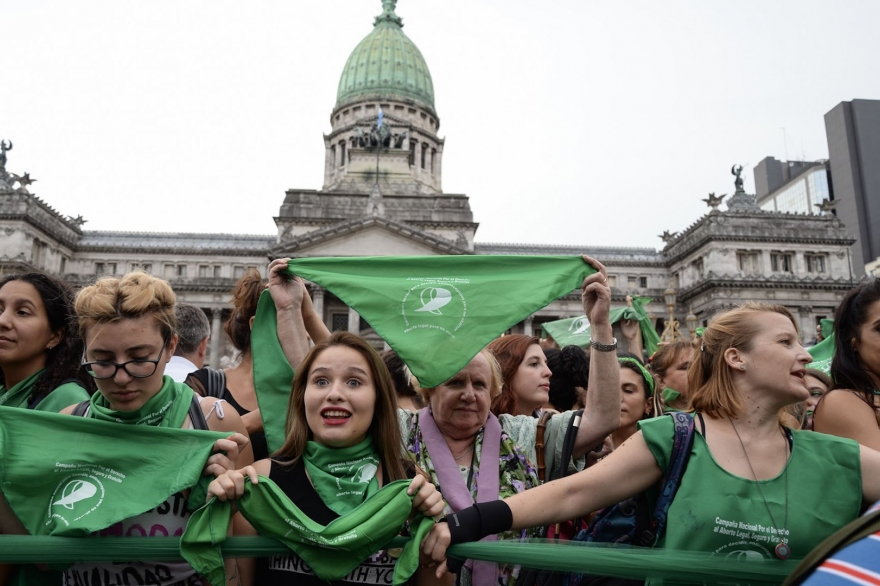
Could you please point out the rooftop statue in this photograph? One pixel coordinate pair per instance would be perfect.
(713, 201)
(23, 181)
(4, 146)
(737, 170)
(826, 206)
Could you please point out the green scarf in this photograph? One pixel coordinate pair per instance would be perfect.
(343, 477)
(419, 305)
(332, 551)
(18, 395)
(167, 408)
(822, 354)
(575, 331)
(669, 396)
(72, 476)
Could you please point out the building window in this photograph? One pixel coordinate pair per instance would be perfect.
(63, 265)
(424, 154)
(148, 267)
(643, 282)
(333, 154)
(217, 269)
(698, 267)
(747, 262)
(99, 268)
(342, 154)
(815, 263)
(238, 271)
(181, 270)
(632, 282)
(169, 271)
(204, 271)
(612, 280)
(780, 262)
(433, 161)
(339, 322)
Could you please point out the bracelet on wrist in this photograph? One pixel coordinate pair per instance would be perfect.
(604, 347)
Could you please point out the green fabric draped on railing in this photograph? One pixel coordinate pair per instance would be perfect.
(577, 557)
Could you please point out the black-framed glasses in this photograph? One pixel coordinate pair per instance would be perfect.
(104, 369)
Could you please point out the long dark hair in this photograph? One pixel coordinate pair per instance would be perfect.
(384, 429)
(852, 313)
(63, 360)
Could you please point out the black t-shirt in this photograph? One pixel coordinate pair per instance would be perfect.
(289, 568)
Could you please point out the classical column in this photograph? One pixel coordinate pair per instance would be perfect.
(318, 301)
(354, 321)
(216, 333)
(527, 326)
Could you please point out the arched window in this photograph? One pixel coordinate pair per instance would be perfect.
(342, 154)
(433, 161)
(333, 155)
(424, 153)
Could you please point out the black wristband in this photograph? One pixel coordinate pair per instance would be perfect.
(479, 521)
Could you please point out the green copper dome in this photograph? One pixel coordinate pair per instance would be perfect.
(386, 62)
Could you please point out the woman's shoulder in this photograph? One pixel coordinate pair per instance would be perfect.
(845, 412)
(65, 395)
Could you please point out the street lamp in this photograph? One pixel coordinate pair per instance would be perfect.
(691, 321)
(671, 332)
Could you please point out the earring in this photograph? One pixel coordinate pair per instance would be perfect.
(49, 347)
(742, 366)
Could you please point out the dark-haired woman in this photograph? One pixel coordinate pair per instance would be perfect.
(290, 297)
(743, 468)
(636, 394)
(342, 426)
(852, 408)
(568, 383)
(40, 354)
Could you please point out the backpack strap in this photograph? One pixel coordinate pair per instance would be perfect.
(195, 414)
(539, 443)
(568, 442)
(81, 409)
(216, 382)
(681, 450)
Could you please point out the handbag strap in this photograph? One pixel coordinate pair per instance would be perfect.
(539, 444)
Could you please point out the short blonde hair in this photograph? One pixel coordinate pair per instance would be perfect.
(133, 296)
(710, 379)
(494, 382)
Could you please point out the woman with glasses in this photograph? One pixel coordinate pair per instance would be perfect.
(39, 363)
(129, 329)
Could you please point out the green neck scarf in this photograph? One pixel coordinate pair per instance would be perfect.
(167, 408)
(332, 551)
(669, 396)
(343, 477)
(18, 395)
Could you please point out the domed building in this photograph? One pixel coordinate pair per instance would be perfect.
(382, 195)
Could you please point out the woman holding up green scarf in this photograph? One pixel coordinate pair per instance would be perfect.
(129, 328)
(39, 358)
(671, 363)
(343, 444)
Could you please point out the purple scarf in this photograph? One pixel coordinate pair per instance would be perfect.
(454, 488)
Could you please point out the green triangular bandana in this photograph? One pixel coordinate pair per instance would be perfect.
(437, 312)
(332, 551)
(71, 476)
(575, 331)
(822, 354)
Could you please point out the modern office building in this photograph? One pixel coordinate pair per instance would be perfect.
(793, 187)
(853, 132)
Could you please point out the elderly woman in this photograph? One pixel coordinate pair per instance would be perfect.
(472, 455)
(751, 365)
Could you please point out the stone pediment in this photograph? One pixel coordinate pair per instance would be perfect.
(367, 236)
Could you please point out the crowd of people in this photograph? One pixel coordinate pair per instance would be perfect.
(526, 438)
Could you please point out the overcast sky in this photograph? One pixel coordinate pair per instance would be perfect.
(576, 122)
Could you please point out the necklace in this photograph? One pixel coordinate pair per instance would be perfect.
(782, 551)
(463, 454)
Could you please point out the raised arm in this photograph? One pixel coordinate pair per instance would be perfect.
(628, 470)
(287, 293)
(602, 410)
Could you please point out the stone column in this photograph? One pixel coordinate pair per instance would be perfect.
(808, 327)
(216, 334)
(527, 326)
(354, 321)
(318, 301)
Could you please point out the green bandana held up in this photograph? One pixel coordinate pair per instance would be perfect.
(343, 477)
(57, 486)
(575, 331)
(823, 352)
(436, 312)
(167, 408)
(331, 551)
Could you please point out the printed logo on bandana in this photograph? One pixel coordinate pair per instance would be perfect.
(365, 473)
(579, 326)
(80, 492)
(436, 303)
